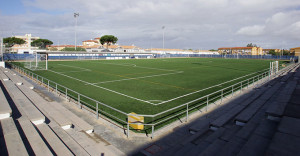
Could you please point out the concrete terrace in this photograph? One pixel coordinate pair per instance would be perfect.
(32, 124)
(261, 120)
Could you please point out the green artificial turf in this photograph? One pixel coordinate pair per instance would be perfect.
(128, 85)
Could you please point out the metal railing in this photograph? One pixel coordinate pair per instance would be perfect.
(103, 110)
(219, 95)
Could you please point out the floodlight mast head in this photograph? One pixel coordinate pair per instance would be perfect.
(76, 14)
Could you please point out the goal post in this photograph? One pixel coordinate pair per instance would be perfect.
(36, 61)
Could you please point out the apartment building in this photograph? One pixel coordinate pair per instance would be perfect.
(295, 51)
(241, 50)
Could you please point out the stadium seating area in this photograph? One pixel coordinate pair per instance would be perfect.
(31, 125)
(263, 121)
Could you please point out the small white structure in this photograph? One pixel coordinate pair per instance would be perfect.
(2, 64)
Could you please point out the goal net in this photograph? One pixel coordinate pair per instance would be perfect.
(36, 62)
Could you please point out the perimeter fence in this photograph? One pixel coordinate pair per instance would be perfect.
(115, 56)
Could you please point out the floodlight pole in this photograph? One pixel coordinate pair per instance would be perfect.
(163, 27)
(36, 55)
(75, 16)
(46, 61)
(1, 48)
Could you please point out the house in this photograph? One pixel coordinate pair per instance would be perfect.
(266, 51)
(241, 50)
(115, 48)
(295, 51)
(22, 49)
(128, 49)
(94, 42)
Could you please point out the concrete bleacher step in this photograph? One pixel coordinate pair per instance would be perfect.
(243, 100)
(286, 77)
(53, 140)
(256, 143)
(25, 82)
(289, 125)
(197, 131)
(232, 147)
(283, 144)
(21, 101)
(260, 138)
(249, 112)
(199, 125)
(13, 141)
(257, 125)
(277, 107)
(216, 140)
(76, 121)
(91, 144)
(68, 140)
(3, 76)
(36, 142)
(46, 108)
(5, 110)
(200, 147)
(226, 117)
(14, 78)
(212, 149)
(18, 80)
(184, 150)
(242, 103)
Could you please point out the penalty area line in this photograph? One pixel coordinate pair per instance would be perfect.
(138, 77)
(102, 88)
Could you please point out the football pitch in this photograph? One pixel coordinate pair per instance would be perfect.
(150, 86)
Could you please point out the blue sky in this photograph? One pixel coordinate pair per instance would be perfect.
(196, 24)
(12, 7)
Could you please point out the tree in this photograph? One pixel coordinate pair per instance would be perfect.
(286, 52)
(41, 43)
(272, 52)
(251, 45)
(11, 41)
(108, 39)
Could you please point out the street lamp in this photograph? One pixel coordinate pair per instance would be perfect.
(163, 28)
(75, 16)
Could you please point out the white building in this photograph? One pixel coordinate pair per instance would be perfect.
(26, 47)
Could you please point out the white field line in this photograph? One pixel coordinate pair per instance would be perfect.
(102, 87)
(75, 67)
(133, 65)
(155, 100)
(138, 77)
(77, 71)
(82, 69)
(202, 89)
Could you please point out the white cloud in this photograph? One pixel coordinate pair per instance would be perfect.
(255, 30)
(189, 23)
